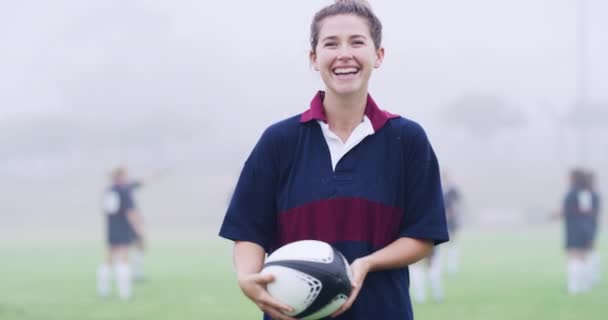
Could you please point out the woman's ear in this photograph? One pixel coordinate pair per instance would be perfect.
(313, 60)
(379, 57)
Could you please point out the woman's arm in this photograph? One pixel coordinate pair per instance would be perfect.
(136, 222)
(248, 262)
(400, 253)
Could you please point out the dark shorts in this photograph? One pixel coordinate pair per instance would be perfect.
(579, 235)
(594, 232)
(120, 235)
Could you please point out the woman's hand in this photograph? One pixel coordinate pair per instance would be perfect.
(360, 267)
(254, 287)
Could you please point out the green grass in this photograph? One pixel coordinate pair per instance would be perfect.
(508, 275)
(505, 275)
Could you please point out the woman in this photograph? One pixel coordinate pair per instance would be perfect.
(578, 209)
(344, 172)
(124, 224)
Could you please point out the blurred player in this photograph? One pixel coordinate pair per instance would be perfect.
(124, 224)
(578, 212)
(139, 243)
(429, 270)
(453, 206)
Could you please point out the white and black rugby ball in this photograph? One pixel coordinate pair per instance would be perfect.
(311, 276)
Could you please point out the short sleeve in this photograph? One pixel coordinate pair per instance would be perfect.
(251, 215)
(424, 216)
(134, 185)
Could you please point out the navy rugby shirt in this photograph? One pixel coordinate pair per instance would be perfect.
(118, 201)
(386, 187)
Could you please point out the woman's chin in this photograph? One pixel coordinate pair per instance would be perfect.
(346, 90)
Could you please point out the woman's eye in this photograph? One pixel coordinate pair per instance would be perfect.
(358, 42)
(330, 44)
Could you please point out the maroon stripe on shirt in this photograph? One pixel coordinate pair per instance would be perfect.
(340, 219)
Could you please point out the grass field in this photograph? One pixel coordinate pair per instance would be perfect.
(505, 275)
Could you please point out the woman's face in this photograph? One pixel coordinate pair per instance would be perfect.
(120, 177)
(345, 54)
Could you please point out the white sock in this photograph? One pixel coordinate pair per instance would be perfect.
(596, 270)
(103, 280)
(453, 258)
(574, 276)
(586, 275)
(417, 281)
(435, 277)
(123, 280)
(137, 263)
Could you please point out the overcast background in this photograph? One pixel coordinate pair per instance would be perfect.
(188, 86)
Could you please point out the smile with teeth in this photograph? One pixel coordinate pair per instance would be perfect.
(345, 71)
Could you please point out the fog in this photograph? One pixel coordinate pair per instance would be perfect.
(511, 93)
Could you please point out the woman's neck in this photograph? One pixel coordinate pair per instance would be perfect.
(344, 113)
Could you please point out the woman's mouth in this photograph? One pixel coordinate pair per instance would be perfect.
(345, 72)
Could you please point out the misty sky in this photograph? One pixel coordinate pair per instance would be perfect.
(238, 66)
(526, 50)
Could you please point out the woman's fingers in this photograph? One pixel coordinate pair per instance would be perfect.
(265, 297)
(254, 287)
(349, 302)
(263, 279)
(268, 300)
(273, 312)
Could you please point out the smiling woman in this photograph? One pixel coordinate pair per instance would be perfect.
(344, 172)
(346, 55)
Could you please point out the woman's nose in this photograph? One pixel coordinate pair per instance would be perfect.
(344, 52)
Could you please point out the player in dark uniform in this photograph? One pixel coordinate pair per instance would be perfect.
(452, 199)
(123, 225)
(345, 172)
(578, 217)
(431, 269)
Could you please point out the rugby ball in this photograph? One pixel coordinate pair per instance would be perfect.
(310, 276)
